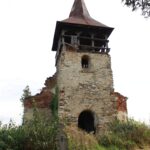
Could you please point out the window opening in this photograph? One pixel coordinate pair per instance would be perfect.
(98, 43)
(99, 36)
(85, 39)
(85, 62)
(68, 37)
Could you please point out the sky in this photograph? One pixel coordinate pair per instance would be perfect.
(26, 36)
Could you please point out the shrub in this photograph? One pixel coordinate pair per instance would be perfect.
(126, 135)
(36, 134)
(40, 133)
(12, 137)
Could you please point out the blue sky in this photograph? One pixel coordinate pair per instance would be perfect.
(26, 34)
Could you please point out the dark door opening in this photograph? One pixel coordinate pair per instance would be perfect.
(85, 61)
(86, 121)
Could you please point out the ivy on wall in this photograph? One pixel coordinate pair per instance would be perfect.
(54, 103)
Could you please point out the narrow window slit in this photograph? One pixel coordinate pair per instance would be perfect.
(85, 61)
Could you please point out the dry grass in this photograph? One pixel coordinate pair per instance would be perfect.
(131, 135)
(80, 140)
(143, 148)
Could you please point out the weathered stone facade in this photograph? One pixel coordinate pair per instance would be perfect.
(85, 88)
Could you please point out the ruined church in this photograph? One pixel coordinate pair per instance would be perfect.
(86, 96)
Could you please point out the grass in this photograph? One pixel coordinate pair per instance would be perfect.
(126, 135)
(119, 136)
(80, 140)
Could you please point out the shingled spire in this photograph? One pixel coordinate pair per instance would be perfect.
(79, 9)
(79, 19)
(79, 15)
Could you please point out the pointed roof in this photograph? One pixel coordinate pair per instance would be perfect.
(79, 15)
(79, 9)
(79, 18)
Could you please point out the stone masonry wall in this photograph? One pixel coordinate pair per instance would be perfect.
(85, 88)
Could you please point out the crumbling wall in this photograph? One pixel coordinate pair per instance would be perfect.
(122, 113)
(41, 101)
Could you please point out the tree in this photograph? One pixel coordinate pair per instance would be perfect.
(26, 93)
(144, 5)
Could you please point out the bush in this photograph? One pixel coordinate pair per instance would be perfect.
(12, 137)
(126, 135)
(36, 134)
(41, 134)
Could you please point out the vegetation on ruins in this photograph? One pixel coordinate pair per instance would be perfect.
(54, 103)
(126, 135)
(36, 134)
(40, 135)
(26, 93)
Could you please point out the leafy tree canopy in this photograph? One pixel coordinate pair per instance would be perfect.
(144, 5)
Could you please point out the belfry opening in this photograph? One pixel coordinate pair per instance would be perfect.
(86, 121)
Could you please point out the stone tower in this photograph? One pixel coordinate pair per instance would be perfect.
(84, 75)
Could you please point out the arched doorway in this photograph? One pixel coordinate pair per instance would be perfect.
(86, 121)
